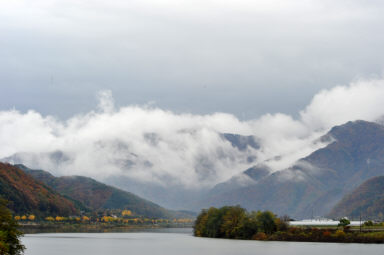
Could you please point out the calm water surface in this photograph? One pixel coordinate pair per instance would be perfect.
(177, 242)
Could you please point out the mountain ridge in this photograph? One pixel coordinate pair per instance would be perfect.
(99, 196)
(28, 195)
(366, 201)
(317, 182)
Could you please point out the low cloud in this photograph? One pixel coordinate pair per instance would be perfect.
(148, 144)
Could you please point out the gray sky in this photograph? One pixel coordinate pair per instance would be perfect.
(151, 63)
(241, 57)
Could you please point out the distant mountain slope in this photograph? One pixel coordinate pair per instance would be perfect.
(26, 195)
(241, 142)
(97, 195)
(317, 182)
(232, 151)
(249, 177)
(366, 200)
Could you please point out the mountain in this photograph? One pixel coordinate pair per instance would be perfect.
(311, 186)
(366, 200)
(98, 196)
(241, 142)
(27, 195)
(314, 184)
(249, 177)
(236, 151)
(177, 196)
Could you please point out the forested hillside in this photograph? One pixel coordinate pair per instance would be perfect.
(366, 201)
(27, 195)
(98, 196)
(313, 184)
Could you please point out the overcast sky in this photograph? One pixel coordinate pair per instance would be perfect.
(152, 75)
(189, 56)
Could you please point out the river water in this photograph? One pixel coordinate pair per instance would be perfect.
(177, 242)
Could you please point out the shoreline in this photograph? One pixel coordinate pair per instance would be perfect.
(90, 228)
(316, 235)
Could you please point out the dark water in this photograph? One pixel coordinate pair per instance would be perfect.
(177, 242)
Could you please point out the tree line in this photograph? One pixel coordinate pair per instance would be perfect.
(236, 223)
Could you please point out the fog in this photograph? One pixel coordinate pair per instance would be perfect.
(152, 145)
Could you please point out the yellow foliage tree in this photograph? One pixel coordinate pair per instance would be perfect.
(17, 217)
(108, 219)
(58, 218)
(340, 233)
(23, 217)
(126, 213)
(31, 217)
(49, 218)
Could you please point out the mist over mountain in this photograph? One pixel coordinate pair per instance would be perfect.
(184, 161)
(314, 184)
(95, 196)
(249, 177)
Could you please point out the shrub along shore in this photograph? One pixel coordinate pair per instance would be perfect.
(28, 227)
(126, 221)
(234, 222)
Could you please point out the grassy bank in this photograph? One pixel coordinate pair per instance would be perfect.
(298, 234)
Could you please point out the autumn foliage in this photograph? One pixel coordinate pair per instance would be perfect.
(28, 195)
(236, 223)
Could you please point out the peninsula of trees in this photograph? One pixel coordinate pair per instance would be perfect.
(235, 222)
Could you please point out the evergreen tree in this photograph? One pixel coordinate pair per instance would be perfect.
(9, 234)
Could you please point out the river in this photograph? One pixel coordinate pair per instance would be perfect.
(177, 242)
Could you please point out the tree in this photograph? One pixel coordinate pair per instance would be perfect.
(9, 235)
(281, 224)
(233, 221)
(214, 222)
(126, 213)
(344, 222)
(50, 218)
(199, 228)
(250, 225)
(266, 221)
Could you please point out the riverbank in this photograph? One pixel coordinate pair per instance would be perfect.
(91, 227)
(297, 234)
